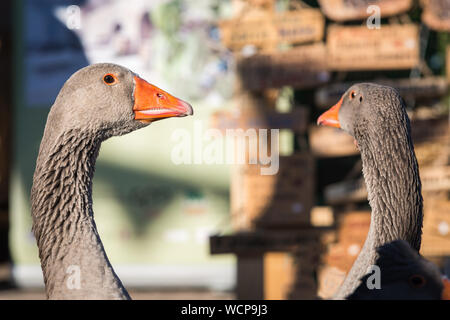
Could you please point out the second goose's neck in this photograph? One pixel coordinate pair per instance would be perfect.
(73, 259)
(394, 191)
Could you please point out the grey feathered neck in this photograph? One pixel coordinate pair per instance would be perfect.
(73, 259)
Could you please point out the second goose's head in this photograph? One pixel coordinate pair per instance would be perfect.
(367, 110)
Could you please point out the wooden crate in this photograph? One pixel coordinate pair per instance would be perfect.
(341, 10)
(436, 227)
(359, 48)
(353, 226)
(270, 201)
(351, 231)
(431, 139)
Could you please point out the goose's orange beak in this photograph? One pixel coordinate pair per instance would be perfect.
(331, 117)
(446, 291)
(152, 103)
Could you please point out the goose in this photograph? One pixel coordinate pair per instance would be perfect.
(376, 117)
(96, 102)
(404, 274)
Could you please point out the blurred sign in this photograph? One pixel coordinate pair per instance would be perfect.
(282, 199)
(436, 14)
(360, 48)
(342, 10)
(413, 88)
(295, 120)
(299, 26)
(300, 67)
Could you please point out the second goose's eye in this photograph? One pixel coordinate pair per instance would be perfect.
(417, 281)
(352, 94)
(109, 79)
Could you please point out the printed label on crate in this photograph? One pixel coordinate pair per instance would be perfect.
(306, 25)
(360, 48)
(342, 10)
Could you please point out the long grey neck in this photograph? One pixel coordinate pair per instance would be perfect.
(73, 260)
(394, 190)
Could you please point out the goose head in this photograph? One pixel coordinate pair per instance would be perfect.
(109, 99)
(365, 109)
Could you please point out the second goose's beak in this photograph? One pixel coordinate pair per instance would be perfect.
(152, 103)
(331, 117)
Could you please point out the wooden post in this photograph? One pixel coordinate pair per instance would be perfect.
(447, 63)
(250, 274)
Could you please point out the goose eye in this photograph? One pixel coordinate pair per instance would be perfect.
(417, 281)
(159, 95)
(109, 79)
(352, 94)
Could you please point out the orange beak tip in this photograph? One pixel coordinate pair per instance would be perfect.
(152, 103)
(331, 117)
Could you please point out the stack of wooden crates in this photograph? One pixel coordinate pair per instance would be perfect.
(272, 238)
(270, 213)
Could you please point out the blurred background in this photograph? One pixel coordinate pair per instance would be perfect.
(222, 231)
